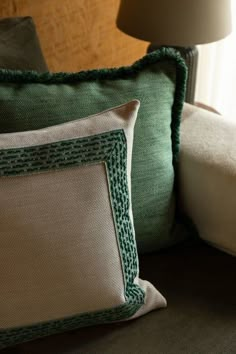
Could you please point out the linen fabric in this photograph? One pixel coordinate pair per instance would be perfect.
(19, 45)
(207, 176)
(68, 254)
(32, 101)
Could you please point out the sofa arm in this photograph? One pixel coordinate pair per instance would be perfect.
(207, 175)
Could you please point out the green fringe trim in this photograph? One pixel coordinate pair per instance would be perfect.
(162, 54)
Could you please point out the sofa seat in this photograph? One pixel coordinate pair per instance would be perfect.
(199, 283)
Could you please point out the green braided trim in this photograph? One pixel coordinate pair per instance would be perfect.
(19, 335)
(162, 54)
(111, 149)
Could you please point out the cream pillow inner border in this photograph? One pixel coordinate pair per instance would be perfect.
(132, 298)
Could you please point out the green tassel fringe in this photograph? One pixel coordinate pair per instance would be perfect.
(162, 54)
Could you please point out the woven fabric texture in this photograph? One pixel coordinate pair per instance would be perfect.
(207, 162)
(35, 101)
(67, 249)
(200, 318)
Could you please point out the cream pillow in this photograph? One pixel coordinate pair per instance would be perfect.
(68, 254)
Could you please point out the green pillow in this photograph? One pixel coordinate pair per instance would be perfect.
(32, 101)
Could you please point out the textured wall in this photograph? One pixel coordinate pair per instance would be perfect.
(77, 34)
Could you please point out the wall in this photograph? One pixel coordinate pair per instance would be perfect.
(78, 34)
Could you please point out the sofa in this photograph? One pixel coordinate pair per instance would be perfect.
(197, 279)
(197, 276)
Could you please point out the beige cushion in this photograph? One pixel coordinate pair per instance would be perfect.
(207, 168)
(68, 252)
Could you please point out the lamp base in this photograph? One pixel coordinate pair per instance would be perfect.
(190, 55)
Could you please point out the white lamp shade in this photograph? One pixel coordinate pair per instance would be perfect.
(176, 22)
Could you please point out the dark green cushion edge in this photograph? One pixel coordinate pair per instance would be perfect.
(163, 54)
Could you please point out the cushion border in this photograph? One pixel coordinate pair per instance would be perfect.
(109, 148)
(162, 54)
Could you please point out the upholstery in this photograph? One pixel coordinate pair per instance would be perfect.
(199, 283)
(207, 172)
